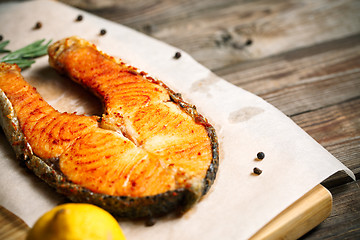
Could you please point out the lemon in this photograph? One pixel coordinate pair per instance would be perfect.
(75, 221)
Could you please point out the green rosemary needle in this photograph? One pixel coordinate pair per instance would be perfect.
(3, 45)
(24, 56)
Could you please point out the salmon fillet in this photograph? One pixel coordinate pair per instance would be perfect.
(150, 153)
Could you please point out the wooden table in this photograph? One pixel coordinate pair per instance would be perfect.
(301, 56)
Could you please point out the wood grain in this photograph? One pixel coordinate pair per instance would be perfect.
(12, 227)
(343, 223)
(306, 213)
(336, 127)
(304, 79)
(217, 33)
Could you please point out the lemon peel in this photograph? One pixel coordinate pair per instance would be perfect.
(76, 221)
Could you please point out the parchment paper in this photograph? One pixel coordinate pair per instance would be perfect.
(239, 203)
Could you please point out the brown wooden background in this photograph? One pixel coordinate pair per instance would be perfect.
(302, 56)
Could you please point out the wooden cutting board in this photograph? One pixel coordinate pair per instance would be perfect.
(302, 216)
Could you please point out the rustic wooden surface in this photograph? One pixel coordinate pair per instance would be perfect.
(302, 56)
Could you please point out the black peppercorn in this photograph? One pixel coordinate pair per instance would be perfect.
(79, 18)
(1, 37)
(257, 171)
(150, 222)
(248, 42)
(38, 25)
(260, 155)
(148, 28)
(102, 32)
(177, 55)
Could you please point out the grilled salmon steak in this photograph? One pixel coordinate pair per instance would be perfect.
(149, 154)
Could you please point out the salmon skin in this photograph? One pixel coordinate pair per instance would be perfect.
(148, 155)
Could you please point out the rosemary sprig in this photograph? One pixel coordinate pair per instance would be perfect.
(3, 45)
(24, 57)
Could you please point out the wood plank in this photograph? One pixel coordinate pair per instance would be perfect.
(337, 128)
(348, 153)
(307, 96)
(281, 70)
(304, 79)
(331, 125)
(344, 221)
(221, 33)
(12, 227)
(300, 217)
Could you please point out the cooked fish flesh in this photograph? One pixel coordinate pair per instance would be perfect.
(149, 154)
